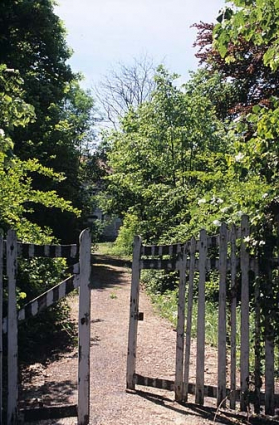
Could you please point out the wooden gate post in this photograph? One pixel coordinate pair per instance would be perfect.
(189, 318)
(134, 310)
(199, 397)
(84, 329)
(11, 250)
(221, 395)
(178, 387)
(233, 317)
(244, 340)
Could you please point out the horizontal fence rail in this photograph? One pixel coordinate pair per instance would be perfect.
(27, 250)
(48, 298)
(227, 256)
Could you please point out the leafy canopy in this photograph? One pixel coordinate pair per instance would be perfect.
(17, 194)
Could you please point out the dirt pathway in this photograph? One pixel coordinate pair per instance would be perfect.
(110, 403)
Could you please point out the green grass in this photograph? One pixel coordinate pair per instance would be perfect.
(111, 249)
(104, 248)
(166, 305)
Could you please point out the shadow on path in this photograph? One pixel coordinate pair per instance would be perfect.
(206, 412)
(108, 272)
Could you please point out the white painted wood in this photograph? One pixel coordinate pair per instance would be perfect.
(269, 345)
(46, 250)
(180, 327)
(1, 328)
(49, 298)
(201, 320)
(134, 309)
(84, 329)
(58, 251)
(62, 289)
(31, 250)
(34, 308)
(73, 251)
(12, 414)
(21, 315)
(189, 318)
(222, 317)
(244, 341)
(257, 342)
(233, 318)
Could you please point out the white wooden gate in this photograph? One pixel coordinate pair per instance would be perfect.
(10, 250)
(195, 259)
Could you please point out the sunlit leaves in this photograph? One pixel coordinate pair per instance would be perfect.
(256, 22)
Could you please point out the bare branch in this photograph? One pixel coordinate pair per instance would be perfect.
(124, 87)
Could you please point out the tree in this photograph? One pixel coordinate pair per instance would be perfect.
(254, 21)
(125, 87)
(17, 196)
(239, 53)
(252, 81)
(32, 41)
(158, 156)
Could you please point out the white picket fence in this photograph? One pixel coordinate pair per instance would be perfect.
(10, 250)
(194, 259)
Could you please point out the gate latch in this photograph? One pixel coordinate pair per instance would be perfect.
(140, 316)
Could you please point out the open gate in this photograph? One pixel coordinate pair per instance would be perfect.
(10, 250)
(227, 255)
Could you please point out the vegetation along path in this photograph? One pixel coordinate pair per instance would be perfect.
(110, 403)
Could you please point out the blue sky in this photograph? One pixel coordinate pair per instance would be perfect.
(105, 32)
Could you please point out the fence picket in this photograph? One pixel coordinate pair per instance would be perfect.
(134, 310)
(180, 327)
(11, 251)
(222, 317)
(189, 318)
(269, 345)
(84, 329)
(1, 328)
(257, 402)
(244, 343)
(233, 317)
(201, 319)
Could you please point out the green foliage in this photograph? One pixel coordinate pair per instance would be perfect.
(16, 191)
(17, 200)
(242, 21)
(124, 242)
(158, 157)
(32, 42)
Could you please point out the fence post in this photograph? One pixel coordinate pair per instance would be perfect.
(221, 395)
(258, 350)
(180, 326)
(11, 250)
(84, 328)
(244, 341)
(201, 319)
(1, 328)
(233, 317)
(269, 336)
(134, 309)
(189, 318)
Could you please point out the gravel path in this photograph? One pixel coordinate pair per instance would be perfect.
(110, 403)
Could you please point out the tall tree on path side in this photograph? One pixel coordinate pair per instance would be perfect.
(32, 41)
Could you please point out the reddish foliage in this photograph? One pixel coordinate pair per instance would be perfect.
(255, 81)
